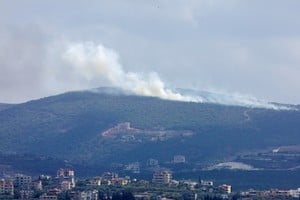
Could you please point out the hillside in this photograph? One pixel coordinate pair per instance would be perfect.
(70, 126)
(4, 106)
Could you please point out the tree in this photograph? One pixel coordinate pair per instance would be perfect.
(127, 195)
(117, 196)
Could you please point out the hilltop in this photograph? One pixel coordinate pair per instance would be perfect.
(70, 127)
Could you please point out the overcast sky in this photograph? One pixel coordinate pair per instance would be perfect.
(249, 47)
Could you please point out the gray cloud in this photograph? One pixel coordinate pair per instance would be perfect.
(95, 62)
(249, 47)
(22, 55)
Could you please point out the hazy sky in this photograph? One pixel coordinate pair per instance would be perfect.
(248, 47)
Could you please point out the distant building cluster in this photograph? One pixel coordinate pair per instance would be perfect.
(65, 186)
(274, 193)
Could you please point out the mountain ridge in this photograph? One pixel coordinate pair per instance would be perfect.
(207, 97)
(69, 126)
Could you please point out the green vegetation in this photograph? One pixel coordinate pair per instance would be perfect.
(4, 106)
(69, 127)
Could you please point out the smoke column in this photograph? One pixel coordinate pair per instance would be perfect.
(95, 61)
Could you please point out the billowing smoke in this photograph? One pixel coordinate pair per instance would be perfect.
(32, 69)
(98, 62)
(95, 62)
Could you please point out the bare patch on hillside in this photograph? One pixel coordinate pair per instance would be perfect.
(125, 133)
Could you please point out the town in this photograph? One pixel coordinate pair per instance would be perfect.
(65, 185)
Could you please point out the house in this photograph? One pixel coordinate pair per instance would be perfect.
(179, 159)
(66, 185)
(37, 185)
(66, 175)
(109, 175)
(22, 180)
(84, 195)
(6, 187)
(133, 167)
(152, 162)
(295, 193)
(96, 181)
(47, 197)
(162, 177)
(53, 191)
(225, 188)
(119, 181)
(206, 183)
(190, 184)
(26, 194)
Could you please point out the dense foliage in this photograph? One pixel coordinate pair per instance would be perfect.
(69, 127)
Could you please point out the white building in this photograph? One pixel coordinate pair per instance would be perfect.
(295, 193)
(225, 188)
(191, 184)
(162, 177)
(109, 175)
(96, 181)
(85, 195)
(152, 162)
(179, 159)
(66, 175)
(119, 181)
(206, 183)
(133, 167)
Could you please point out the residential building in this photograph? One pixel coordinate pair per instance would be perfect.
(44, 177)
(133, 167)
(191, 184)
(22, 180)
(6, 187)
(162, 177)
(47, 197)
(65, 185)
(53, 191)
(179, 159)
(152, 162)
(84, 195)
(26, 194)
(190, 196)
(66, 175)
(109, 175)
(92, 195)
(206, 183)
(96, 181)
(226, 188)
(295, 193)
(119, 181)
(37, 185)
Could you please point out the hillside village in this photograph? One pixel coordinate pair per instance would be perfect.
(65, 185)
(125, 133)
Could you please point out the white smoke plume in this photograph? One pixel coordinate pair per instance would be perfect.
(95, 62)
(98, 62)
